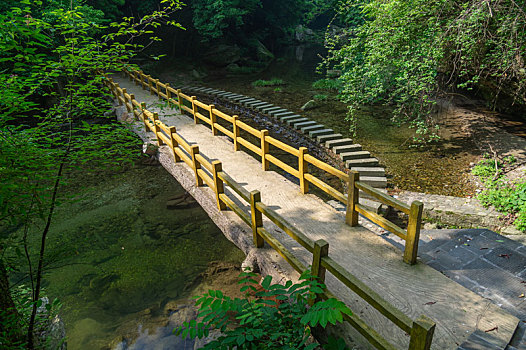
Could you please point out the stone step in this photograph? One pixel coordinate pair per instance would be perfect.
(292, 122)
(370, 171)
(338, 142)
(246, 99)
(239, 98)
(347, 148)
(279, 111)
(288, 117)
(258, 104)
(270, 109)
(307, 129)
(283, 114)
(374, 181)
(304, 124)
(260, 107)
(321, 132)
(249, 102)
(223, 94)
(355, 155)
(328, 137)
(363, 162)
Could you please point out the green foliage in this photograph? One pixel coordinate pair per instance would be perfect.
(327, 84)
(276, 317)
(212, 18)
(267, 83)
(507, 197)
(278, 89)
(321, 97)
(13, 324)
(52, 105)
(408, 53)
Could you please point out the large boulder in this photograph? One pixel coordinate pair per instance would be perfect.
(222, 55)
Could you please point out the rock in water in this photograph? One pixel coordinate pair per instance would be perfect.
(309, 105)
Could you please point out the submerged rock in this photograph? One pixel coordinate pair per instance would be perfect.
(309, 105)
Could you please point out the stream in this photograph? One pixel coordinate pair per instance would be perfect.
(119, 261)
(440, 168)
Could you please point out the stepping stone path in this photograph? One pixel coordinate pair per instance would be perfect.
(351, 154)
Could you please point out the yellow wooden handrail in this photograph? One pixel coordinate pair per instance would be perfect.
(421, 330)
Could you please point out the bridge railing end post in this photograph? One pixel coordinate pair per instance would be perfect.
(413, 232)
(303, 169)
(422, 333)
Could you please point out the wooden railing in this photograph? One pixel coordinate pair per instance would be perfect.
(231, 126)
(210, 173)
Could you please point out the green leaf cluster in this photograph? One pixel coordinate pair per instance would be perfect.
(271, 316)
(266, 83)
(408, 54)
(507, 197)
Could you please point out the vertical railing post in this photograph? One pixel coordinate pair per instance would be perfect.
(150, 86)
(144, 117)
(175, 144)
(218, 184)
(118, 93)
(141, 75)
(136, 77)
(132, 98)
(130, 74)
(264, 150)
(194, 110)
(413, 232)
(157, 128)
(303, 169)
(179, 101)
(351, 216)
(422, 333)
(213, 120)
(112, 87)
(194, 150)
(124, 92)
(235, 130)
(321, 250)
(168, 94)
(157, 89)
(257, 218)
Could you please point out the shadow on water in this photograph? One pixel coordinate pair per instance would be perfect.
(117, 256)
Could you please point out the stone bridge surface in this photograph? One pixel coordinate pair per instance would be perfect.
(463, 318)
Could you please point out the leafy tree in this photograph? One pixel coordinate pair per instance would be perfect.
(275, 316)
(52, 123)
(410, 53)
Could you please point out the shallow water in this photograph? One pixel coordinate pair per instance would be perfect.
(117, 253)
(442, 168)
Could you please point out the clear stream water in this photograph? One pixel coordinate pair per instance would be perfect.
(441, 168)
(117, 253)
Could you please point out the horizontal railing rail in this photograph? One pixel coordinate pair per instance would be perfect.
(210, 173)
(208, 114)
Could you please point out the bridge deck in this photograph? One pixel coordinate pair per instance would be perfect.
(415, 290)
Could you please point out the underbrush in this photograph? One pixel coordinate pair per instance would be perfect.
(266, 83)
(506, 196)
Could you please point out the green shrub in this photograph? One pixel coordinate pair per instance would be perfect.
(321, 97)
(327, 84)
(275, 317)
(266, 83)
(506, 197)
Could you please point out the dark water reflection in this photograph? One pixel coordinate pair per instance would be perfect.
(117, 256)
